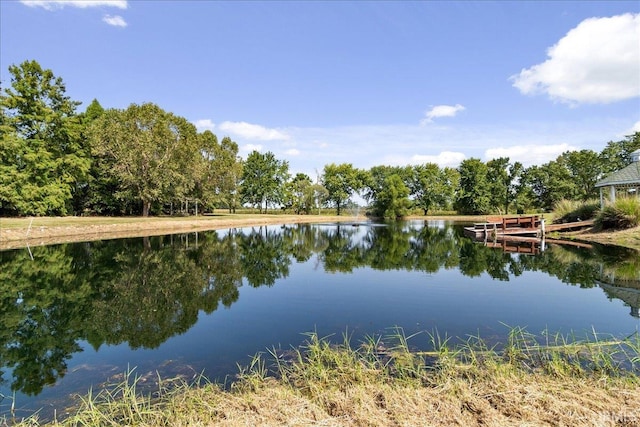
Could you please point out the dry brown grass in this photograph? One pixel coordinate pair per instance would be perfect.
(20, 232)
(326, 385)
(629, 238)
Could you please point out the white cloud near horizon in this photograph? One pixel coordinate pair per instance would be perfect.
(252, 131)
(114, 20)
(529, 155)
(248, 148)
(82, 4)
(292, 152)
(441, 111)
(597, 62)
(204, 124)
(444, 159)
(635, 128)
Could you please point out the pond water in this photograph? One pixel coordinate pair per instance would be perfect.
(76, 316)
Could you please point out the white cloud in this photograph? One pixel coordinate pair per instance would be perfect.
(441, 111)
(251, 131)
(529, 154)
(445, 158)
(292, 152)
(635, 128)
(115, 20)
(248, 148)
(596, 62)
(204, 124)
(83, 4)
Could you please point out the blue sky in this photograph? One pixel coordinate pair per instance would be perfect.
(367, 83)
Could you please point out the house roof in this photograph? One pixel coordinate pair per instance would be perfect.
(628, 175)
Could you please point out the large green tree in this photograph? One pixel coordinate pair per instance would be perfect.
(617, 154)
(341, 182)
(393, 199)
(474, 194)
(550, 183)
(585, 169)
(504, 182)
(432, 187)
(263, 179)
(228, 167)
(152, 151)
(42, 155)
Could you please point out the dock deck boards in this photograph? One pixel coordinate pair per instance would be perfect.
(520, 226)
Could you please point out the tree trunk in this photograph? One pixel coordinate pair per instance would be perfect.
(146, 207)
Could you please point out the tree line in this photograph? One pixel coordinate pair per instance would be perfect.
(144, 160)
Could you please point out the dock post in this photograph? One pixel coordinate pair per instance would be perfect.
(542, 226)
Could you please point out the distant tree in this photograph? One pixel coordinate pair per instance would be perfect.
(392, 200)
(585, 169)
(616, 155)
(206, 188)
(550, 183)
(93, 111)
(515, 187)
(300, 194)
(263, 179)
(498, 182)
(341, 182)
(374, 180)
(42, 156)
(228, 165)
(152, 151)
(474, 194)
(430, 186)
(99, 195)
(452, 185)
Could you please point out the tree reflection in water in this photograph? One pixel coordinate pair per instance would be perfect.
(144, 291)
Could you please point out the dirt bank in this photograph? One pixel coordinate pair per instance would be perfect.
(18, 233)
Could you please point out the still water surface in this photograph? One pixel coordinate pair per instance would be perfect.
(76, 316)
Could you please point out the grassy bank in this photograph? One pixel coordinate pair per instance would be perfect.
(529, 380)
(20, 232)
(37, 231)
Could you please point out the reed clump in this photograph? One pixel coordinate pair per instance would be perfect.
(574, 210)
(623, 213)
(529, 379)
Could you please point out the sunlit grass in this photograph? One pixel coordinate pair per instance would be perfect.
(623, 213)
(574, 210)
(382, 380)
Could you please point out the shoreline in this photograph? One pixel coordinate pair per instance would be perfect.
(81, 229)
(16, 233)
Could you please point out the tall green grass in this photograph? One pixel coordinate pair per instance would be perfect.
(573, 210)
(623, 213)
(319, 368)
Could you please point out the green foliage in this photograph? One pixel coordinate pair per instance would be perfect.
(432, 187)
(42, 155)
(263, 179)
(571, 210)
(584, 170)
(151, 152)
(617, 154)
(302, 195)
(393, 199)
(341, 182)
(624, 213)
(474, 194)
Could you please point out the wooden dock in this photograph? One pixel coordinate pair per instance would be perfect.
(525, 226)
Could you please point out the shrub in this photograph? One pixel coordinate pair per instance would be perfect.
(624, 213)
(571, 210)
